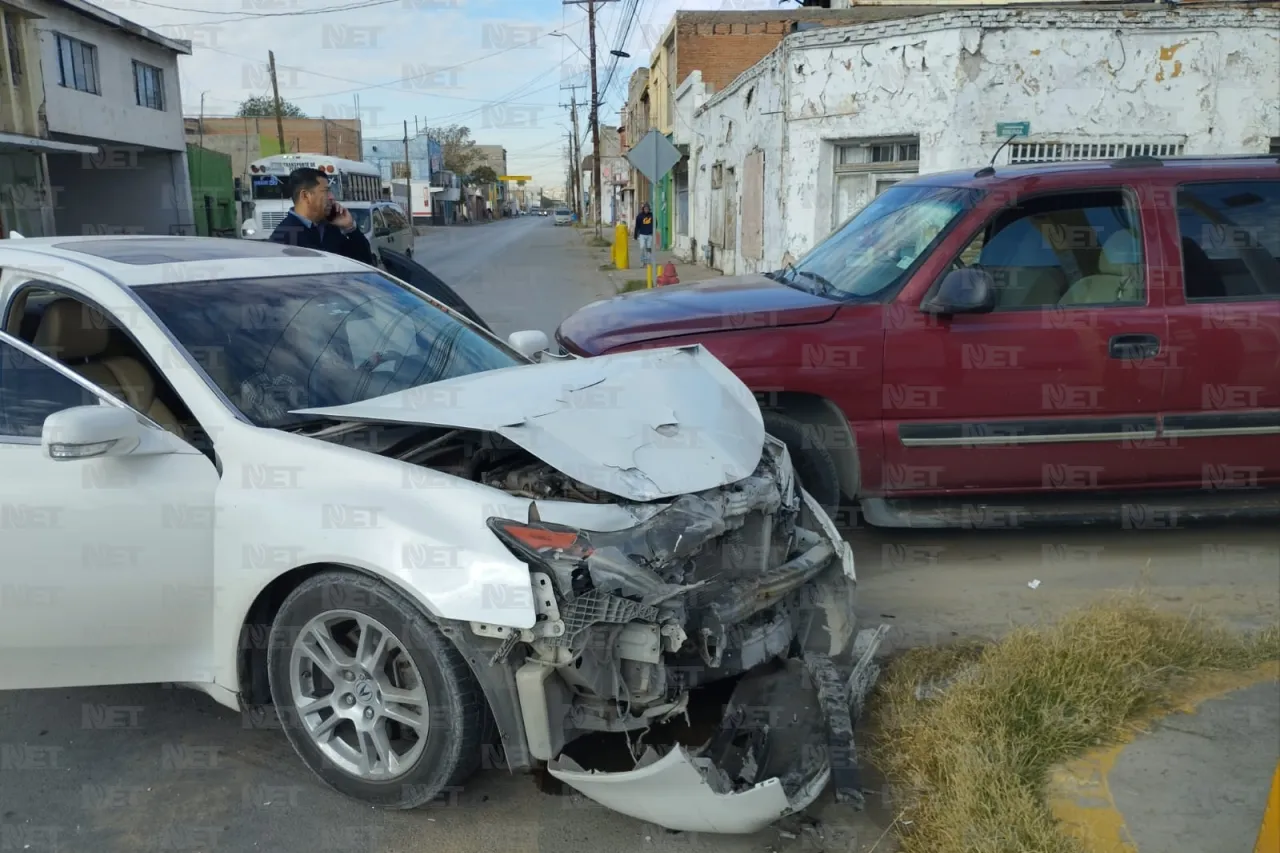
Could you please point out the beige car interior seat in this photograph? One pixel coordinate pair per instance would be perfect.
(69, 333)
(1119, 277)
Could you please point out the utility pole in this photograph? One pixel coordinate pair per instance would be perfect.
(408, 174)
(595, 122)
(577, 158)
(325, 122)
(359, 128)
(275, 90)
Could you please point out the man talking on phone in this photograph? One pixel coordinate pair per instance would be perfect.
(317, 221)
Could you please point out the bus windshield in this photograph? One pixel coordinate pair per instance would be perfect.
(270, 188)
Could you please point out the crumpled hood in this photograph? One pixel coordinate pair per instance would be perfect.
(644, 425)
(715, 305)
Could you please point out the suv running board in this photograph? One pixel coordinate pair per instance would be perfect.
(1126, 510)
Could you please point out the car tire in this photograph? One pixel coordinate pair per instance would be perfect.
(814, 467)
(454, 708)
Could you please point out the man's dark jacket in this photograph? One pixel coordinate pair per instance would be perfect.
(294, 231)
(644, 223)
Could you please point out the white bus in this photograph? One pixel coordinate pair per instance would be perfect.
(349, 180)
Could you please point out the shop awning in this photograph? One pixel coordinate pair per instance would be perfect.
(35, 143)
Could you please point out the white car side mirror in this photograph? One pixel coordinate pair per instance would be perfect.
(87, 432)
(529, 342)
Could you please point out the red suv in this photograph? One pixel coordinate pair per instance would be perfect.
(971, 347)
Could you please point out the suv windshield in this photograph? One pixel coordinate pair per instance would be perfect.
(297, 342)
(879, 245)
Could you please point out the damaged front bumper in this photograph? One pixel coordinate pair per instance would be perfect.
(748, 587)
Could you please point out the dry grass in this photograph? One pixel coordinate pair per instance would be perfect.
(633, 284)
(969, 766)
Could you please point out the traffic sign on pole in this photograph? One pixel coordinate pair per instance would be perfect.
(654, 156)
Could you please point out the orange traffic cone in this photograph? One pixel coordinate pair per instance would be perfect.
(668, 274)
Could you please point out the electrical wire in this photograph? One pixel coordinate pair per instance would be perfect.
(362, 4)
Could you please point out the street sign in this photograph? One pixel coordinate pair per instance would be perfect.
(515, 177)
(654, 156)
(1005, 129)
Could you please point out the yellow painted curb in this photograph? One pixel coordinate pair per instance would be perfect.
(1079, 795)
(1269, 835)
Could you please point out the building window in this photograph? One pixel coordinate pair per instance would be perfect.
(77, 65)
(148, 85)
(1275, 145)
(1058, 152)
(14, 36)
(866, 168)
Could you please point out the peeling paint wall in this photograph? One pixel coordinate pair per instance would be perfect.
(746, 116)
(690, 97)
(1203, 76)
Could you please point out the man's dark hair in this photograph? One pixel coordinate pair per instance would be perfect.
(302, 179)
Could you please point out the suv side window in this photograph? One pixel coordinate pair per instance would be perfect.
(1230, 234)
(1067, 249)
(379, 224)
(394, 220)
(30, 391)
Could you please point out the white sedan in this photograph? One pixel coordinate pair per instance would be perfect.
(285, 478)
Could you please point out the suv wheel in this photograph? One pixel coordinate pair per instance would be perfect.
(814, 467)
(373, 698)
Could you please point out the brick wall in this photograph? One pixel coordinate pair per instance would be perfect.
(300, 134)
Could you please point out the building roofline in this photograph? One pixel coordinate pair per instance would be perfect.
(111, 19)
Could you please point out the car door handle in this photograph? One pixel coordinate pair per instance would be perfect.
(1134, 346)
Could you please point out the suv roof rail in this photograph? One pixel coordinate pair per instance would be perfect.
(1137, 160)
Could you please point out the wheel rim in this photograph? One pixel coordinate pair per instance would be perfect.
(359, 696)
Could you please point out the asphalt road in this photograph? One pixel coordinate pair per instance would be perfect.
(148, 768)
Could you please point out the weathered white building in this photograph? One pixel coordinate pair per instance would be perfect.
(831, 117)
(94, 121)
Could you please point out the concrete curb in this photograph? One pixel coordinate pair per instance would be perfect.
(1082, 794)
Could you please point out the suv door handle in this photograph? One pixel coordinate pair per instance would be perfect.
(1134, 346)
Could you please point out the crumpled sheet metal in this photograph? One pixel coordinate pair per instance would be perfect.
(675, 793)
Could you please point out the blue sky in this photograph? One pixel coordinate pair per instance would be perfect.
(489, 64)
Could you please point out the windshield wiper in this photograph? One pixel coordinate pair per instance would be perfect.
(822, 287)
(321, 424)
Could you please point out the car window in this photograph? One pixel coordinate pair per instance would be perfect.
(395, 220)
(1230, 236)
(30, 391)
(1063, 250)
(379, 223)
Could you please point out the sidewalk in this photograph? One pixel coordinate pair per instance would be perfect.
(685, 270)
(1197, 780)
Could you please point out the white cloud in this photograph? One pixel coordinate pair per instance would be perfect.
(488, 64)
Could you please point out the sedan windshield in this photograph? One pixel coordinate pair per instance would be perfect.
(299, 342)
(878, 247)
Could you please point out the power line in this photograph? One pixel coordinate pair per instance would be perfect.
(243, 15)
(390, 84)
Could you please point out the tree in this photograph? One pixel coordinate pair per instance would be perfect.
(264, 106)
(482, 175)
(456, 146)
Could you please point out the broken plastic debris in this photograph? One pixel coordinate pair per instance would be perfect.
(1033, 584)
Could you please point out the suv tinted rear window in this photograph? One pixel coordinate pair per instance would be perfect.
(1230, 234)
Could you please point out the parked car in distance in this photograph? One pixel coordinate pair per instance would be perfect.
(339, 497)
(564, 216)
(385, 225)
(1053, 343)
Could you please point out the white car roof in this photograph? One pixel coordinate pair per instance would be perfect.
(137, 261)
